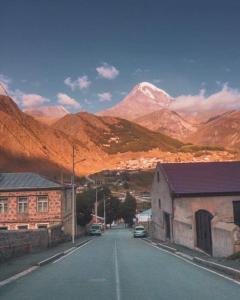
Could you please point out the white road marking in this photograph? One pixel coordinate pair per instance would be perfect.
(17, 276)
(71, 252)
(117, 279)
(192, 263)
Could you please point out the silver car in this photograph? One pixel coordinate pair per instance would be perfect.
(139, 231)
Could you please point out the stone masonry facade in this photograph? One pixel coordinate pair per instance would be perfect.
(58, 208)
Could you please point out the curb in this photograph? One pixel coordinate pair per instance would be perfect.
(170, 249)
(50, 259)
(222, 268)
(60, 254)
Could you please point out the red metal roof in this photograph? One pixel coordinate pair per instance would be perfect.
(211, 178)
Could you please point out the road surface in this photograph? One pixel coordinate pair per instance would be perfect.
(116, 266)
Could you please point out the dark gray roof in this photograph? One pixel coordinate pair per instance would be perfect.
(25, 181)
(211, 178)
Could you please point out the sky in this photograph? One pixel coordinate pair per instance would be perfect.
(87, 55)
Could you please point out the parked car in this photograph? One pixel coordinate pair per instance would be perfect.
(95, 229)
(139, 231)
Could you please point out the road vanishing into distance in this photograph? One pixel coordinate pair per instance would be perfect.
(117, 266)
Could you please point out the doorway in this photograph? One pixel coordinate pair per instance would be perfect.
(167, 226)
(203, 230)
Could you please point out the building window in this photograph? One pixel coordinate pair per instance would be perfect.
(22, 227)
(159, 203)
(42, 226)
(3, 205)
(22, 205)
(42, 204)
(3, 228)
(158, 177)
(236, 212)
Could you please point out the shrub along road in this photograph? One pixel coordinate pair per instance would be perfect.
(116, 266)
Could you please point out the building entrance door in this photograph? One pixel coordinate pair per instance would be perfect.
(167, 225)
(203, 230)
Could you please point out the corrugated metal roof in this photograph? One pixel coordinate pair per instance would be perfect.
(218, 178)
(24, 181)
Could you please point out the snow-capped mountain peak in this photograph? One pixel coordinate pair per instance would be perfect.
(147, 88)
(143, 98)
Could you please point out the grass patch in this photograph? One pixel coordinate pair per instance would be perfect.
(234, 256)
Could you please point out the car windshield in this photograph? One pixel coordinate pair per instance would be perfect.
(95, 227)
(139, 228)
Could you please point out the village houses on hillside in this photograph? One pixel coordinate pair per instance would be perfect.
(198, 205)
(30, 201)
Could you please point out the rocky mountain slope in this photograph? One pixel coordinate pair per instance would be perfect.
(168, 122)
(114, 135)
(222, 130)
(143, 99)
(22, 138)
(47, 114)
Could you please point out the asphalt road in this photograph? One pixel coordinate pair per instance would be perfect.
(116, 266)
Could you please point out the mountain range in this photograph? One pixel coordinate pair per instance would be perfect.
(143, 99)
(28, 144)
(151, 108)
(143, 122)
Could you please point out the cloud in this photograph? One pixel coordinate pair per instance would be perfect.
(4, 84)
(107, 71)
(105, 97)
(32, 100)
(225, 99)
(80, 83)
(65, 100)
(140, 71)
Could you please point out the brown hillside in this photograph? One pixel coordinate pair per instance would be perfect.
(223, 130)
(113, 134)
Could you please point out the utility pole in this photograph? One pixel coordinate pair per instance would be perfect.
(96, 205)
(73, 195)
(104, 211)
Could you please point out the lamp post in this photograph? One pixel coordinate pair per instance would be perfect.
(74, 194)
(104, 211)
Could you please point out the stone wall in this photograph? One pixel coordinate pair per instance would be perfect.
(32, 218)
(15, 243)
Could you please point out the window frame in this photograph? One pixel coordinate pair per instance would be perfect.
(158, 176)
(23, 202)
(3, 206)
(23, 225)
(40, 204)
(236, 212)
(159, 203)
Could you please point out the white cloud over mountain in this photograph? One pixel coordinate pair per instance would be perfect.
(80, 83)
(67, 101)
(227, 98)
(105, 97)
(107, 71)
(32, 100)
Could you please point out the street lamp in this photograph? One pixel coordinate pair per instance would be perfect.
(73, 193)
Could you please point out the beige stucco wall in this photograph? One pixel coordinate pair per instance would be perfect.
(222, 210)
(160, 190)
(225, 234)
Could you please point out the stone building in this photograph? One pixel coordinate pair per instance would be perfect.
(29, 201)
(198, 205)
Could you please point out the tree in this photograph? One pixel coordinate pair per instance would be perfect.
(112, 206)
(128, 209)
(84, 206)
(85, 203)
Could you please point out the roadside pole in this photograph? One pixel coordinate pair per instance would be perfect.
(96, 205)
(104, 211)
(73, 195)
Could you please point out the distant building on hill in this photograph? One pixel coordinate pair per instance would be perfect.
(198, 205)
(30, 201)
